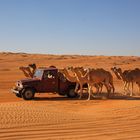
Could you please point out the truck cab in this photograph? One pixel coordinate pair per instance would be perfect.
(44, 80)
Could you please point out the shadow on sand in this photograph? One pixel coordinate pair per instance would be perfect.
(102, 96)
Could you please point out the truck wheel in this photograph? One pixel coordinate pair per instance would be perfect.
(71, 93)
(28, 94)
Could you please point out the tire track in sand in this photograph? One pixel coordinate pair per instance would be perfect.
(43, 121)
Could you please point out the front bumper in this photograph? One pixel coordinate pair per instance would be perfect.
(16, 90)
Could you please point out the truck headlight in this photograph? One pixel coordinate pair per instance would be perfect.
(19, 84)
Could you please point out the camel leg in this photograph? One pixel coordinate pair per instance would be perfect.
(81, 91)
(128, 87)
(97, 88)
(101, 87)
(112, 87)
(89, 91)
(124, 87)
(76, 87)
(108, 89)
(132, 89)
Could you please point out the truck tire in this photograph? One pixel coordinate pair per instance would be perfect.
(28, 94)
(71, 93)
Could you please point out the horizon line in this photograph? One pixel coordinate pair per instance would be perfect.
(18, 52)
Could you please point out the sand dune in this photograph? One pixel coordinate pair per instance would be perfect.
(56, 117)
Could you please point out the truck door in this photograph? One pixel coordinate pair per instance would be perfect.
(50, 81)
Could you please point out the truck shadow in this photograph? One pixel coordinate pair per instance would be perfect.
(102, 96)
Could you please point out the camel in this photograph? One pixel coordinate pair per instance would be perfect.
(98, 86)
(79, 79)
(110, 78)
(128, 76)
(29, 70)
(134, 77)
(102, 83)
(91, 77)
(122, 76)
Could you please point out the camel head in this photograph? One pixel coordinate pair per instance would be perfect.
(33, 66)
(115, 70)
(71, 69)
(79, 70)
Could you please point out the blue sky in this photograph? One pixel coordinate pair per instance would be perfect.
(87, 27)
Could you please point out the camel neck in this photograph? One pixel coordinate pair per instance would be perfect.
(69, 77)
(117, 75)
(122, 76)
(80, 77)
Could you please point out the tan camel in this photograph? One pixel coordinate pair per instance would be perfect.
(98, 86)
(91, 77)
(122, 76)
(134, 77)
(128, 76)
(110, 79)
(29, 70)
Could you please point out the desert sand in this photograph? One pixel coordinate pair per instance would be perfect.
(50, 116)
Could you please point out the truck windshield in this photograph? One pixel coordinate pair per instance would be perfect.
(38, 74)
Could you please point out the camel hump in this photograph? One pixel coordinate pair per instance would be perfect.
(52, 66)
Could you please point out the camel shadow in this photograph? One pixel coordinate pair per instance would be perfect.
(101, 96)
(117, 96)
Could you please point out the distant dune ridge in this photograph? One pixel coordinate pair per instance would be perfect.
(56, 117)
